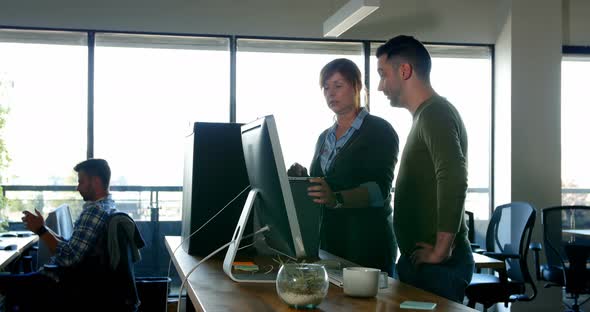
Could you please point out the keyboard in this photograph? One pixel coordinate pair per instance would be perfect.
(336, 277)
(334, 266)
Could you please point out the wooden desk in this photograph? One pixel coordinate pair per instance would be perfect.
(22, 243)
(211, 290)
(485, 262)
(578, 232)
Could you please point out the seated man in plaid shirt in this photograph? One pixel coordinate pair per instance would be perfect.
(93, 184)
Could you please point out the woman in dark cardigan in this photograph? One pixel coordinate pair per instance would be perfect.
(355, 159)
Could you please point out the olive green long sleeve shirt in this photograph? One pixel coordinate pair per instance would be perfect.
(432, 180)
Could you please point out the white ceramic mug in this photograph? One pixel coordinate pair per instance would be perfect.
(363, 282)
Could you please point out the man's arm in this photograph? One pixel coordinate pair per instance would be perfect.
(68, 253)
(36, 223)
(441, 134)
(438, 253)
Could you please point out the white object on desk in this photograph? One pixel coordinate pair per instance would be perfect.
(418, 305)
(363, 282)
(579, 231)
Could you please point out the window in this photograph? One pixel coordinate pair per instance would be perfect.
(148, 92)
(463, 75)
(43, 88)
(282, 78)
(574, 130)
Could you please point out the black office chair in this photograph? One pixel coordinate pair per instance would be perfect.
(470, 221)
(567, 251)
(507, 238)
(103, 281)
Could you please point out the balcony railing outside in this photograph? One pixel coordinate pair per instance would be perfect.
(144, 203)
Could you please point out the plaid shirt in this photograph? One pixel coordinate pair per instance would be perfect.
(92, 221)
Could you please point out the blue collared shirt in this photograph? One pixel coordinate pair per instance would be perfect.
(91, 222)
(331, 147)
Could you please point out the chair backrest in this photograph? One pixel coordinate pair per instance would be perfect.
(557, 222)
(509, 232)
(123, 278)
(566, 234)
(109, 287)
(469, 219)
(59, 221)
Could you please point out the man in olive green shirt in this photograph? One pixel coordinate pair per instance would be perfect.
(432, 179)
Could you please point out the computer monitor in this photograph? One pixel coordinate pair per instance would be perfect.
(214, 174)
(270, 193)
(60, 222)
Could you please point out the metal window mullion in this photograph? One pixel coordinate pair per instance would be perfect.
(90, 113)
(232, 78)
(367, 57)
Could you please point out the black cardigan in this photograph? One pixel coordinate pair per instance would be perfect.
(363, 235)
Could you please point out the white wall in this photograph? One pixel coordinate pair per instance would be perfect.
(576, 22)
(530, 46)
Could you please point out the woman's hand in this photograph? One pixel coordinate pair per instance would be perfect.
(297, 170)
(321, 192)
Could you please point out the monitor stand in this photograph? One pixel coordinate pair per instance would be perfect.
(234, 246)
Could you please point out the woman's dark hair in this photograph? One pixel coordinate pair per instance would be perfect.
(96, 167)
(348, 70)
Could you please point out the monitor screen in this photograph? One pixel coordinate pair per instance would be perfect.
(274, 206)
(214, 175)
(59, 221)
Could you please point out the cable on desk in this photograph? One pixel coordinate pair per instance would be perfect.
(264, 229)
(202, 226)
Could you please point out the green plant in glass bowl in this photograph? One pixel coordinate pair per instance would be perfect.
(302, 285)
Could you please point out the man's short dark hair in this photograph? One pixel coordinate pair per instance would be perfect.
(96, 167)
(411, 51)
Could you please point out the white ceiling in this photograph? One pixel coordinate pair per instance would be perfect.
(472, 21)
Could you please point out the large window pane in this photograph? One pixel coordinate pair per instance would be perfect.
(575, 169)
(43, 87)
(282, 78)
(462, 75)
(149, 90)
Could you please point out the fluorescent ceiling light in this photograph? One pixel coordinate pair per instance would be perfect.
(348, 15)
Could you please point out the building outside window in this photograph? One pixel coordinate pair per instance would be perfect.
(43, 93)
(149, 90)
(575, 168)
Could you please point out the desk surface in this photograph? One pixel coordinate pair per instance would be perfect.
(578, 231)
(22, 243)
(485, 262)
(211, 290)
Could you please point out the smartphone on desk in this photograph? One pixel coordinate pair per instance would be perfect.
(418, 305)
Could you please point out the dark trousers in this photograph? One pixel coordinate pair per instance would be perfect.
(445, 280)
(28, 292)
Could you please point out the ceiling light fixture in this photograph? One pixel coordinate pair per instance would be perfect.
(348, 15)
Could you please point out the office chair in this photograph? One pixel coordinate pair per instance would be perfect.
(104, 280)
(507, 238)
(470, 221)
(567, 251)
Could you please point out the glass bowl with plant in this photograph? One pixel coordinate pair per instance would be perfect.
(302, 285)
